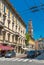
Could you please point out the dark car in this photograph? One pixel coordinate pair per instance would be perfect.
(37, 52)
(41, 51)
(31, 54)
(10, 54)
(0, 54)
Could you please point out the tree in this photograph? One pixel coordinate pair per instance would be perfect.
(27, 39)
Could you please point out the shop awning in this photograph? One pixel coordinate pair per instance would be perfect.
(2, 47)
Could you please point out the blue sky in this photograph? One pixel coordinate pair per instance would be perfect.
(22, 7)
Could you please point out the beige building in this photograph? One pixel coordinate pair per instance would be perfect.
(12, 27)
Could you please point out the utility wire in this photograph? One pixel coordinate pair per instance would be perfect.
(41, 5)
(34, 9)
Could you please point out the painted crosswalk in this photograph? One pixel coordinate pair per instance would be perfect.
(21, 60)
(15, 59)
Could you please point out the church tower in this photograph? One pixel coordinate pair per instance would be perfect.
(30, 28)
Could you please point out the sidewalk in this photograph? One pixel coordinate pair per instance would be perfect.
(18, 55)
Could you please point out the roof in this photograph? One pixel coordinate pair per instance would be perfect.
(7, 1)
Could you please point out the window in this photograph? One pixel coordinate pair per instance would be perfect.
(19, 28)
(4, 35)
(8, 23)
(4, 8)
(4, 15)
(0, 32)
(23, 31)
(12, 25)
(9, 14)
(12, 22)
(16, 27)
(21, 40)
(8, 37)
(12, 38)
(0, 14)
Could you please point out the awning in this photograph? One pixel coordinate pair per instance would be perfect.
(2, 47)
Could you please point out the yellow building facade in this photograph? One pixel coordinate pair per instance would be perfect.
(12, 27)
(32, 43)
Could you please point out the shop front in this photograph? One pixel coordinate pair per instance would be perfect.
(4, 49)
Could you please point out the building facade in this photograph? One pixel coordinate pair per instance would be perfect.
(12, 27)
(32, 43)
(40, 44)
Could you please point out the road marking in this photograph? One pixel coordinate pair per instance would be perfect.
(9, 59)
(30, 60)
(20, 60)
(16, 59)
(25, 60)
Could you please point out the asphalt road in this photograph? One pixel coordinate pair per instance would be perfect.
(19, 63)
(22, 61)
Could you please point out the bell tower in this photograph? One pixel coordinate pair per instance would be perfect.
(30, 28)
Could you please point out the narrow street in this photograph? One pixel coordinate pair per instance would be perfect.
(18, 61)
(21, 32)
(22, 60)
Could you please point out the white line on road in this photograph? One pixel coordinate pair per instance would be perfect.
(30, 60)
(20, 60)
(16, 59)
(25, 60)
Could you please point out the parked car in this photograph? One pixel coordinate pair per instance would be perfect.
(0, 54)
(10, 54)
(37, 52)
(30, 54)
(41, 51)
